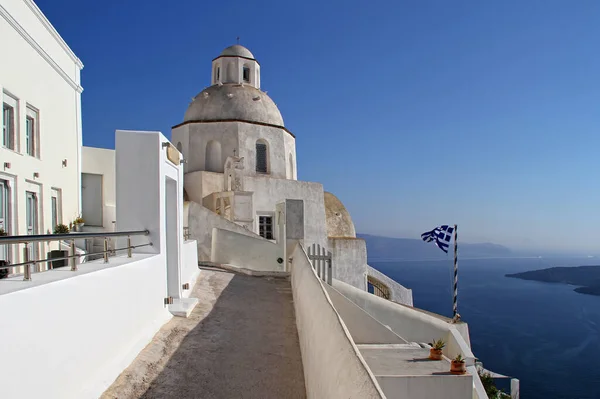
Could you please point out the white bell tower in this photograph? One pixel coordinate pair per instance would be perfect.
(236, 64)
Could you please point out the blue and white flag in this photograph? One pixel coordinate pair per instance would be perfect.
(440, 235)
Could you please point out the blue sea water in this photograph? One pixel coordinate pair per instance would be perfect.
(546, 335)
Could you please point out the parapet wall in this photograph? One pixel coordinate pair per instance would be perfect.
(333, 366)
(398, 293)
(72, 338)
(243, 251)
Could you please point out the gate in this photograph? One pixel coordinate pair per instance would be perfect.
(321, 262)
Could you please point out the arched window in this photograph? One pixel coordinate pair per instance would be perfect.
(218, 73)
(213, 157)
(246, 74)
(179, 147)
(262, 157)
(291, 167)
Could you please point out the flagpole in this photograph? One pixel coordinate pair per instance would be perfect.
(455, 305)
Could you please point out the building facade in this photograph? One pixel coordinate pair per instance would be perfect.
(40, 145)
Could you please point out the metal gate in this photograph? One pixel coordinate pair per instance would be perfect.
(321, 262)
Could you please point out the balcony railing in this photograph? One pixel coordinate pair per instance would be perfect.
(73, 256)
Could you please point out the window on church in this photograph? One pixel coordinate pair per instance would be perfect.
(265, 227)
(261, 157)
(246, 74)
(218, 73)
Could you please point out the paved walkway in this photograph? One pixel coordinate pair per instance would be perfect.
(239, 342)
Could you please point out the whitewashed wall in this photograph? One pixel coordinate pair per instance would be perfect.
(71, 338)
(244, 251)
(40, 70)
(101, 161)
(333, 366)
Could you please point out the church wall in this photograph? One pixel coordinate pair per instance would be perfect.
(269, 191)
(349, 260)
(249, 134)
(180, 137)
(226, 133)
(290, 149)
(200, 184)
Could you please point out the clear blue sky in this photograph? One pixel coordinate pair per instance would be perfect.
(414, 113)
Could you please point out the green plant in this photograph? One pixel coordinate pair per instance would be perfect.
(61, 229)
(439, 344)
(489, 384)
(2, 232)
(459, 359)
(78, 220)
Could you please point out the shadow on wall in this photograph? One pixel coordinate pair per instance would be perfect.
(247, 346)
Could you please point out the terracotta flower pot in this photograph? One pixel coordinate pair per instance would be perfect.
(458, 367)
(435, 354)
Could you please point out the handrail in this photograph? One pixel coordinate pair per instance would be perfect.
(68, 236)
(74, 256)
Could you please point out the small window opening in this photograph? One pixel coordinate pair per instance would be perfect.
(246, 74)
(218, 73)
(265, 227)
(261, 157)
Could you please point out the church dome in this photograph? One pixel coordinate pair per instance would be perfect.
(223, 102)
(237, 51)
(339, 222)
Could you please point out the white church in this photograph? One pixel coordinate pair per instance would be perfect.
(240, 166)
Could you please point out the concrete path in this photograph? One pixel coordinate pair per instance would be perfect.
(239, 342)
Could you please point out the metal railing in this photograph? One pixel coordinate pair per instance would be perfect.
(73, 255)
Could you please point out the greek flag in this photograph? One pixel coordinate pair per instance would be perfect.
(440, 235)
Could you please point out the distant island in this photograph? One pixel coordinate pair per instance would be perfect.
(587, 277)
(389, 248)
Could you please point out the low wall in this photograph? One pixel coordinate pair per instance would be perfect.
(189, 265)
(200, 223)
(240, 250)
(349, 258)
(333, 366)
(398, 292)
(72, 337)
(410, 324)
(416, 326)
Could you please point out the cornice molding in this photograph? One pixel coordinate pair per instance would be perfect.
(17, 27)
(50, 28)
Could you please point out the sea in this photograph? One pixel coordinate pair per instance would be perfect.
(544, 334)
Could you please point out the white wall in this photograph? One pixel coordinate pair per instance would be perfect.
(270, 191)
(201, 222)
(229, 247)
(189, 266)
(333, 366)
(101, 161)
(398, 293)
(87, 328)
(349, 258)
(40, 70)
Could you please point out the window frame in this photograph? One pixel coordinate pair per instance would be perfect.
(263, 224)
(9, 131)
(32, 140)
(264, 144)
(245, 69)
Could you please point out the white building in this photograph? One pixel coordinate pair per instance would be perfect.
(40, 146)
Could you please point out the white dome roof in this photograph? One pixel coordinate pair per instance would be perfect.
(233, 102)
(237, 51)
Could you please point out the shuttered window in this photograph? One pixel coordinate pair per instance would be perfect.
(261, 157)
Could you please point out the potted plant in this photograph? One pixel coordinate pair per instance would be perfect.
(458, 366)
(78, 223)
(3, 262)
(59, 253)
(435, 353)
